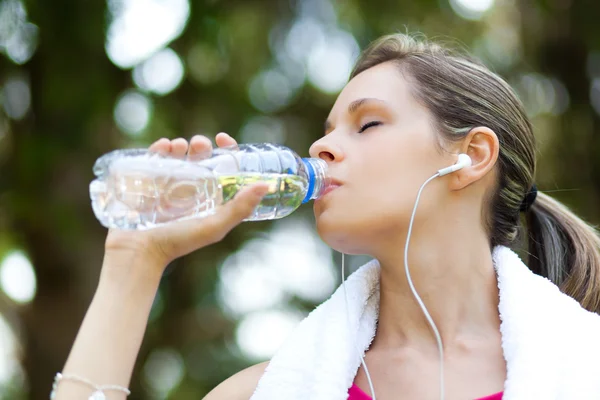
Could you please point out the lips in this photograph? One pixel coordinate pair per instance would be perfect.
(330, 185)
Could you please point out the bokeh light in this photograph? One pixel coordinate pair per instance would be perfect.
(542, 95)
(9, 366)
(263, 129)
(323, 10)
(18, 37)
(16, 97)
(595, 95)
(471, 9)
(289, 261)
(139, 28)
(160, 74)
(270, 91)
(260, 334)
(304, 34)
(247, 284)
(17, 277)
(330, 61)
(499, 47)
(132, 112)
(163, 371)
(327, 53)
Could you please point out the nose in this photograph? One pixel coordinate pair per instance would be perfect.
(325, 150)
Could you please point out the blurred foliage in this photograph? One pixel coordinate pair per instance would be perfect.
(58, 94)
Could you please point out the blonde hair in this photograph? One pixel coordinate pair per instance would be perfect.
(461, 93)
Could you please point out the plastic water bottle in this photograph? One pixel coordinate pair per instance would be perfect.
(139, 189)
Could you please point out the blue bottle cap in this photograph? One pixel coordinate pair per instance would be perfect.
(311, 180)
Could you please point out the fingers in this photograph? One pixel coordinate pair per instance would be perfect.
(162, 146)
(200, 146)
(224, 140)
(176, 148)
(175, 240)
(179, 147)
(243, 205)
(184, 237)
(214, 228)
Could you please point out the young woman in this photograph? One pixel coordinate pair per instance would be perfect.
(409, 109)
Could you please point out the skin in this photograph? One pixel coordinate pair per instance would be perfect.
(450, 257)
(380, 152)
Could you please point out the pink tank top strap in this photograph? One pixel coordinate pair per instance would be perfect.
(356, 393)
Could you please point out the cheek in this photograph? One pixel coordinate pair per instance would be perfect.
(376, 203)
(356, 222)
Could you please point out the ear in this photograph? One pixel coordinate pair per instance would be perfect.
(482, 145)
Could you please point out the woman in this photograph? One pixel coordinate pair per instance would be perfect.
(409, 109)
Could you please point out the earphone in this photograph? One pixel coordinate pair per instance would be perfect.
(463, 161)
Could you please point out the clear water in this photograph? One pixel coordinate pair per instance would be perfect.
(142, 200)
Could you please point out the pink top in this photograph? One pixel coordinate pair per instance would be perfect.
(355, 393)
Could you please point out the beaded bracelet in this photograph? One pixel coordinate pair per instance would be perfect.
(98, 389)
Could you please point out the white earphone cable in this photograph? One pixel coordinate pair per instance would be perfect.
(415, 294)
(434, 328)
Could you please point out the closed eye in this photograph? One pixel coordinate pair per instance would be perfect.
(368, 125)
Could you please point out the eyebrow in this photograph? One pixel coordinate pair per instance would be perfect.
(355, 106)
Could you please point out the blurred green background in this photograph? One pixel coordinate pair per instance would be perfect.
(79, 78)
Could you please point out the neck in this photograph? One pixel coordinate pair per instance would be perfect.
(453, 274)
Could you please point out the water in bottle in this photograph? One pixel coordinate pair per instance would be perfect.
(138, 189)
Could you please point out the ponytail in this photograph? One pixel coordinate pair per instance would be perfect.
(565, 249)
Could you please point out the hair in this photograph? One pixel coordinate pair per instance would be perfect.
(461, 94)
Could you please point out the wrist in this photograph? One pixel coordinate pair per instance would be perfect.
(131, 268)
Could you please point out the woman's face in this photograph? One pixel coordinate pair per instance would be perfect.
(381, 146)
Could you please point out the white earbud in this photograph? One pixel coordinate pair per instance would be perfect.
(463, 161)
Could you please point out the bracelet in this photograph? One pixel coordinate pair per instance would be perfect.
(98, 389)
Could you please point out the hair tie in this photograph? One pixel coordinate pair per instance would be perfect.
(529, 199)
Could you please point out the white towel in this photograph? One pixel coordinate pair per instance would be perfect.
(550, 343)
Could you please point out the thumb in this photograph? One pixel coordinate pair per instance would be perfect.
(240, 207)
(215, 227)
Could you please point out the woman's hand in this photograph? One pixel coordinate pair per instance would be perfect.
(162, 244)
(110, 336)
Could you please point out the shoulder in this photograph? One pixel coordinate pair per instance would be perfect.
(240, 386)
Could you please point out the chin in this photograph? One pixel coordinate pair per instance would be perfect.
(351, 232)
(343, 235)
